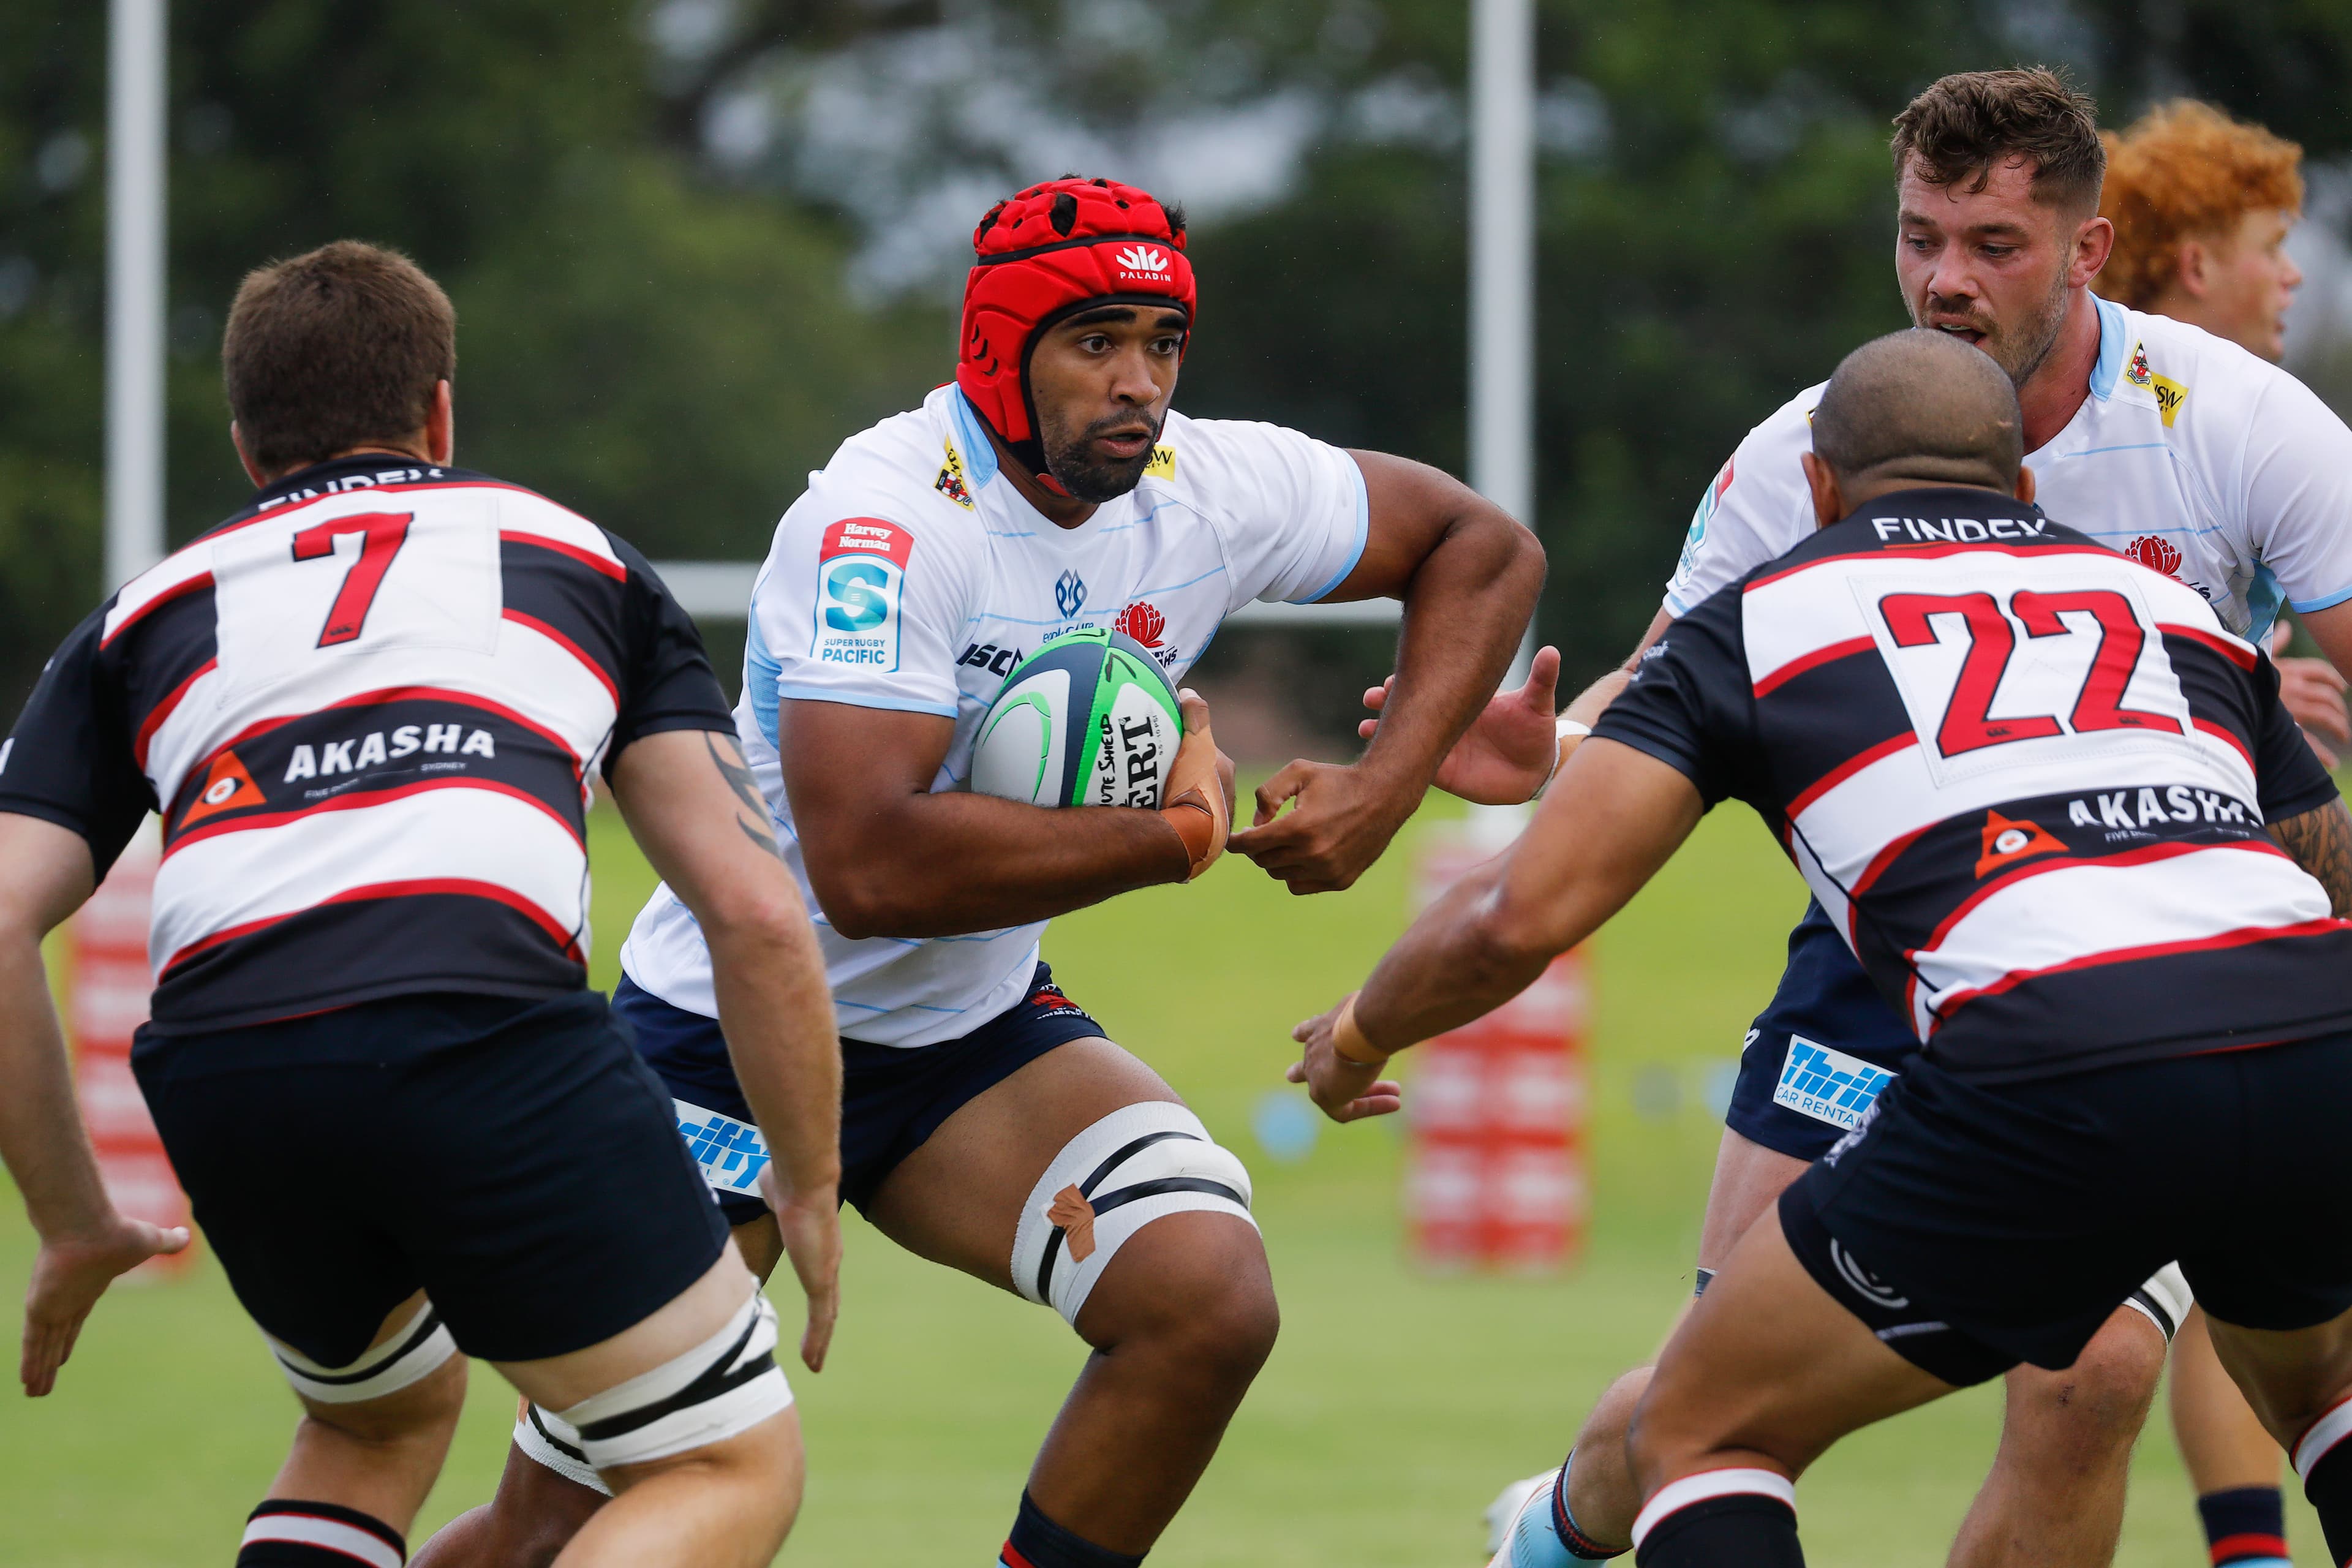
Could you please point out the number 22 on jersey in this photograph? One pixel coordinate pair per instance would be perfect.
(1983, 670)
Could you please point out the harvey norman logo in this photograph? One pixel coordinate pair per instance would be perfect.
(1142, 260)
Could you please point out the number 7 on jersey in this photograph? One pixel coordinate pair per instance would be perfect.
(382, 535)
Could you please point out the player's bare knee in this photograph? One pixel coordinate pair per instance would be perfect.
(2106, 1394)
(1195, 1287)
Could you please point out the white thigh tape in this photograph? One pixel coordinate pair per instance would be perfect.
(549, 1439)
(2164, 1300)
(726, 1384)
(1137, 1163)
(419, 1346)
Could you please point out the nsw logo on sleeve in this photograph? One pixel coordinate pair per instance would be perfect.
(861, 572)
(1828, 1085)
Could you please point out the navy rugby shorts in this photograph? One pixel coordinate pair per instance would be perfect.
(1819, 1055)
(342, 1160)
(893, 1098)
(1973, 1226)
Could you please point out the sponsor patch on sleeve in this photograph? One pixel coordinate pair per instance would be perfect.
(1828, 1085)
(861, 576)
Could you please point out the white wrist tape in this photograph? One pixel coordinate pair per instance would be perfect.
(1135, 1165)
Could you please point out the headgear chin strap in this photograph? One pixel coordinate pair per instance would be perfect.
(1052, 249)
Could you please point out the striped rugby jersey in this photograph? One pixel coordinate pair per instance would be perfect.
(2026, 776)
(367, 707)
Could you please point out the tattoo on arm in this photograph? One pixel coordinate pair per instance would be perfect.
(2321, 842)
(729, 761)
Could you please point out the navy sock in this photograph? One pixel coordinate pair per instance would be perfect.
(2245, 1524)
(284, 1534)
(1720, 1518)
(1037, 1541)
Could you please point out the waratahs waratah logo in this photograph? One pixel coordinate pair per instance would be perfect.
(1141, 622)
(2155, 553)
(1069, 593)
(1143, 261)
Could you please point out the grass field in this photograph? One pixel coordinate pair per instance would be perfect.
(1393, 1407)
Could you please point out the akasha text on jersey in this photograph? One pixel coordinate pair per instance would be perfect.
(912, 576)
(2025, 776)
(367, 708)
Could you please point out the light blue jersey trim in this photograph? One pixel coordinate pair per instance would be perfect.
(2264, 599)
(761, 673)
(2328, 601)
(2112, 349)
(858, 700)
(978, 453)
(1363, 532)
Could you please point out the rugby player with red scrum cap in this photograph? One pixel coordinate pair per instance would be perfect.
(988, 1124)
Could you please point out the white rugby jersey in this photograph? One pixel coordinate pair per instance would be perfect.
(2025, 776)
(367, 707)
(2193, 456)
(913, 575)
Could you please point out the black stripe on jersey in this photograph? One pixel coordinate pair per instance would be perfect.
(161, 654)
(584, 605)
(1906, 898)
(370, 749)
(1834, 713)
(2232, 992)
(401, 937)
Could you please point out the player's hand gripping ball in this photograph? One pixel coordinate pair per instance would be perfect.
(1088, 719)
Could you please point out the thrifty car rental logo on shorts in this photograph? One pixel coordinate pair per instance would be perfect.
(1826, 1085)
(731, 1152)
(861, 572)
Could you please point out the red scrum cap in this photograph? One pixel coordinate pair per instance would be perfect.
(1050, 250)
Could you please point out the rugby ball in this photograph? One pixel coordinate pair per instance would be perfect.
(1088, 719)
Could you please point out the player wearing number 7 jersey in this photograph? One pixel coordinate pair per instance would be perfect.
(370, 708)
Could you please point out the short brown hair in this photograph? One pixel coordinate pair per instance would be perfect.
(332, 350)
(1966, 124)
(2186, 169)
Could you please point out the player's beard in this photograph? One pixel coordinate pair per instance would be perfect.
(2021, 349)
(1091, 478)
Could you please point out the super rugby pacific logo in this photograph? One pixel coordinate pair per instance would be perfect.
(1142, 262)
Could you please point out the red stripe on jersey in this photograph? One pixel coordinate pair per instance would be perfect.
(2145, 856)
(357, 800)
(177, 590)
(1846, 770)
(568, 646)
(423, 885)
(2238, 653)
(398, 694)
(1931, 552)
(1813, 660)
(162, 710)
(2245, 936)
(2222, 732)
(608, 566)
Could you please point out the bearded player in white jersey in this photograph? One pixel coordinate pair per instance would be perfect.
(2161, 441)
(988, 1124)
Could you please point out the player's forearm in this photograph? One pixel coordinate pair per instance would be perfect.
(42, 1139)
(951, 864)
(1460, 961)
(776, 1012)
(1465, 609)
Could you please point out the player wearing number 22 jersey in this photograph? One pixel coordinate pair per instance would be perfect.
(2210, 467)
